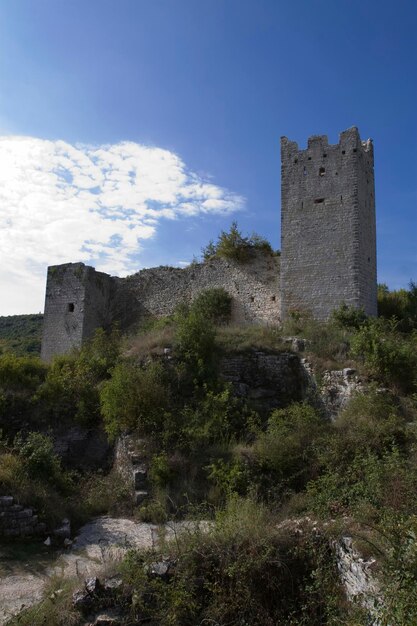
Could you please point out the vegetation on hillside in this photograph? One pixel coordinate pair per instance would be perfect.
(212, 455)
(21, 334)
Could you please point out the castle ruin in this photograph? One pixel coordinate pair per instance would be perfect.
(328, 257)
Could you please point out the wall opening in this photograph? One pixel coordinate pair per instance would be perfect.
(252, 298)
(273, 298)
(355, 149)
(295, 160)
(309, 158)
(305, 171)
(318, 200)
(343, 151)
(324, 156)
(321, 171)
(71, 307)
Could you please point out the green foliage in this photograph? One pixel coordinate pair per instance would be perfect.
(400, 304)
(20, 378)
(233, 245)
(39, 460)
(71, 388)
(21, 334)
(349, 316)
(195, 344)
(213, 304)
(286, 451)
(387, 355)
(135, 398)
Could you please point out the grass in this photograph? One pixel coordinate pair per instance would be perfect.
(234, 338)
(152, 342)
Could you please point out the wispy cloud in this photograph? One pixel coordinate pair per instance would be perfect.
(60, 203)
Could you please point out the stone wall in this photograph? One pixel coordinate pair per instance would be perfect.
(328, 225)
(254, 287)
(268, 381)
(17, 520)
(79, 299)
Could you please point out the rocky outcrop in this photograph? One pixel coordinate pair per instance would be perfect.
(337, 388)
(358, 579)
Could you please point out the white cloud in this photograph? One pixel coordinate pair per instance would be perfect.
(62, 203)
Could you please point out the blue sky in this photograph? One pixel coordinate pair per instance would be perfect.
(133, 131)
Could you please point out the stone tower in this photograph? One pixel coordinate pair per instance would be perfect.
(77, 301)
(328, 238)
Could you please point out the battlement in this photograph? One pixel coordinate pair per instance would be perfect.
(349, 142)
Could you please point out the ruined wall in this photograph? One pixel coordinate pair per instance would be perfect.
(254, 287)
(328, 225)
(77, 301)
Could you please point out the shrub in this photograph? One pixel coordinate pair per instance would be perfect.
(213, 304)
(349, 316)
(135, 398)
(287, 449)
(400, 304)
(386, 354)
(195, 344)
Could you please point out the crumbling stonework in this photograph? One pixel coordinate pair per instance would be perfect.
(328, 241)
(328, 257)
(17, 520)
(79, 299)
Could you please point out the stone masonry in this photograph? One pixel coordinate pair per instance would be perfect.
(79, 299)
(328, 257)
(328, 241)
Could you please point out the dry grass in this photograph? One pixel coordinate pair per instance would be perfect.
(151, 342)
(235, 338)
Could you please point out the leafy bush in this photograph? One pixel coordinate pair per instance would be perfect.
(349, 317)
(286, 450)
(135, 398)
(71, 388)
(233, 245)
(20, 377)
(213, 304)
(195, 344)
(400, 304)
(387, 355)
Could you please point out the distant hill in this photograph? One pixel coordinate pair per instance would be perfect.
(21, 334)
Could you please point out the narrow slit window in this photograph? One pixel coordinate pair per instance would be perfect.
(71, 307)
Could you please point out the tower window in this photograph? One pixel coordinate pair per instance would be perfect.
(355, 150)
(336, 173)
(321, 171)
(324, 155)
(309, 158)
(71, 307)
(305, 171)
(343, 151)
(273, 298)
(295, 160)
(252, 298)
